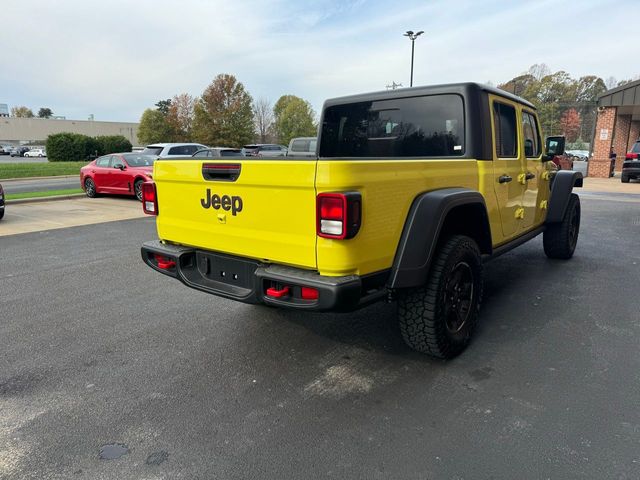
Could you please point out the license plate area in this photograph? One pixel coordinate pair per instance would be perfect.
(226, 270)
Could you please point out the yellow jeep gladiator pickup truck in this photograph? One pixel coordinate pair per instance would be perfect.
(410, 192)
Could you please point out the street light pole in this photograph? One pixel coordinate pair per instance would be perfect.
(412, 36)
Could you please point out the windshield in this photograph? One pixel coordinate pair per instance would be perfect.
(152, 151)
(139, 160)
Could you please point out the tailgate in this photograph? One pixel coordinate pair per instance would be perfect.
(266, 213)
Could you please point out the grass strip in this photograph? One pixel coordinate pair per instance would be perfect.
(50, 169)
(48, 193)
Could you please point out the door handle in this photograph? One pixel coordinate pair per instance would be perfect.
(530, 176)
(504, 179)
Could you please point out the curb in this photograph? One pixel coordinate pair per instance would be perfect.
(20, 179)
(44, 199)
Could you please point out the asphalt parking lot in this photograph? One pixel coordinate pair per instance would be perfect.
(103, 357)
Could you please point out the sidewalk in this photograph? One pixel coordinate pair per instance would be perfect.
(39, 216)
(610, 185)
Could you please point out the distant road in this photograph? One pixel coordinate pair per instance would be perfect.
(41, 184)
(10, 159)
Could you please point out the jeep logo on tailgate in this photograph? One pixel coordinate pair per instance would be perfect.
(225, 202)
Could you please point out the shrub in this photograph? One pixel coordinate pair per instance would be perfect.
(112, 144)
(75, 147)
(70, 147)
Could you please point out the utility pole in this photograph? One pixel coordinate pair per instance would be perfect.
(412, 36)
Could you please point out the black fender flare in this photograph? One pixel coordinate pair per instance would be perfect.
(422, 230)
(561, 188)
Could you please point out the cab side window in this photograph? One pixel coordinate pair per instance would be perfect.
(504, 124)
(531, 135)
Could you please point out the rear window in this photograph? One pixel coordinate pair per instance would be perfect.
(428, 126)
(636, 148)
(152, 151)
(230, 153)
(183, 150)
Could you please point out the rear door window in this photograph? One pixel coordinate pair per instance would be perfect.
(531, 135)
(427, 126)
(504, 121)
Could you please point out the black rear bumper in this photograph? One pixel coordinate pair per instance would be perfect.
(247, 280)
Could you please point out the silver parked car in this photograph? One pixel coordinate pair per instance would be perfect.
(168, 150)
(302, 147)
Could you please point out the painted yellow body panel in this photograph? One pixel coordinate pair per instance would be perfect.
(277, 221)
(388, 188)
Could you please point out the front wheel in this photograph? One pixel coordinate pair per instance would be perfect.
(439, 317)
(560, 239)
(90, 188)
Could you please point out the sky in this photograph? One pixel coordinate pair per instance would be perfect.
(115, 58)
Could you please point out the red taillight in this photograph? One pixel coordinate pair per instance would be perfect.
(163, 262)
(338, 215)
(631, 156)
(149, 198)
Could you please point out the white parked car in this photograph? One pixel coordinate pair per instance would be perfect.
(168, 150)
(36, 152)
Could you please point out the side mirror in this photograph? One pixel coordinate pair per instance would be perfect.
(553, 146)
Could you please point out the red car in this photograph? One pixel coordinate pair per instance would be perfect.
(122, 173)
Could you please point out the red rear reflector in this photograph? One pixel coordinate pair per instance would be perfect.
(309, 293)
(275, 293)
(149, 198)
(163, 262)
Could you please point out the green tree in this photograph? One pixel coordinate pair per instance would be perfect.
(294, 117)
(44, 112)
(154, 127)
(163, 106)
(223, 115)
(21, 112)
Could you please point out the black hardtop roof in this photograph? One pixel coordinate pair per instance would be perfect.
(459, 88)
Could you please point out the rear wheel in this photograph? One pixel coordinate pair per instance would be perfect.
(137, 188)
(560, 239)
(624, 179)
(90, 188)
(1, 212)
(439, 318)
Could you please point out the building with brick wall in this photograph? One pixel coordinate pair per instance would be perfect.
(617, 128)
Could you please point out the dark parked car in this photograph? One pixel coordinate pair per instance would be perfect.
(19, 151)
(218, 152)
(264, 150)
(1, 202)
(631, 165)
(122, 173)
